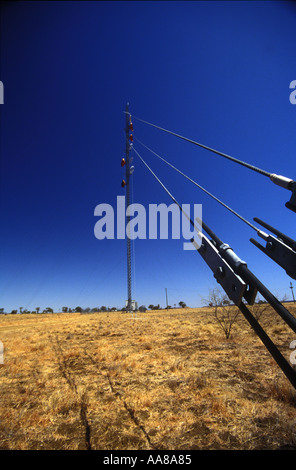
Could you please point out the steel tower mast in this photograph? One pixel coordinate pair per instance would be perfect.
(129, 138)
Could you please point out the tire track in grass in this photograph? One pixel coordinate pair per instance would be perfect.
(117, 393)
(64, 370)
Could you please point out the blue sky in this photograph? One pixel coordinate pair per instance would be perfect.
(216, 72)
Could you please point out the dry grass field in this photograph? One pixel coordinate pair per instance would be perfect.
(168, 380)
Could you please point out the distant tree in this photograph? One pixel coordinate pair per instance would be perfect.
(78, 309)
(151, 306)
(258, 308)
(103, 308)
(95, 309)
(14, 311)
(21, 309)
(37, 309)
(1, 310)
(182, 304)
(142, 308)
(113, 309)
(48, 310)
(225, 314)
(284, 298)
(87, 310)
(65, 309)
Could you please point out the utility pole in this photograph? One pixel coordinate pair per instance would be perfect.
(166, 295)
(291, 287)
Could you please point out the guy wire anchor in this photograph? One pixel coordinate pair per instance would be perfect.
(282, 249)
(286, 183)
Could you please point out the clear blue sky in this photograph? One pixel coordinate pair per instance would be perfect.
(217, 72)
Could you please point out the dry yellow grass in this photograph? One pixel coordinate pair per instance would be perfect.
(168, 381)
